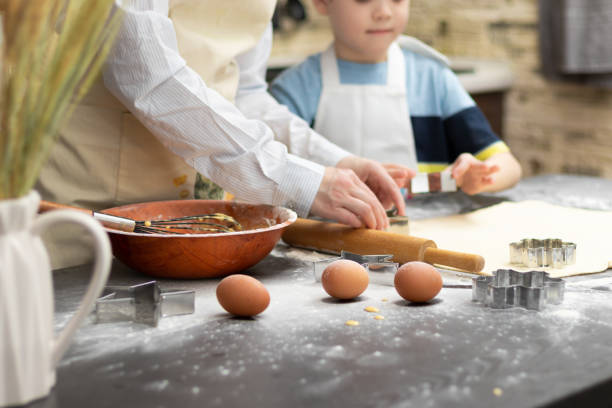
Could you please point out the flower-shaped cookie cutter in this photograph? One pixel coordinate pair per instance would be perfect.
(551, 252)
(509, 288)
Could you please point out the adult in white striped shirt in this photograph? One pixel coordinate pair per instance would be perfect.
(183, 91)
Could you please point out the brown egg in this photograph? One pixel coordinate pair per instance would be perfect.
(242, 295)
(417, 281)
(344, 279)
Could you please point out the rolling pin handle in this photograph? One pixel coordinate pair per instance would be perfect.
(458, 260)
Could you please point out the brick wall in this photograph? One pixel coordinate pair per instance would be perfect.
(551, 127)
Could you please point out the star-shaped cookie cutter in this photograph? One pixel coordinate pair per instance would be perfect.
(380, 268)
(143, 303)
(551, 252)
(509, 288)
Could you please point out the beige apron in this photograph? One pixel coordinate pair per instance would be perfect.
(106, 157)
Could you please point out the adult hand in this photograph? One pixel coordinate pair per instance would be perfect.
(342, 196)
(400, 174)
(471, 174)
(376, 177)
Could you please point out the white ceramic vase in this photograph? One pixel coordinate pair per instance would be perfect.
(29, 348)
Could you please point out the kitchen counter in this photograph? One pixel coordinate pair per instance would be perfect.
(299, 352)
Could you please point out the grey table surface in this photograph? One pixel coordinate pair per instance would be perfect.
(299, 352)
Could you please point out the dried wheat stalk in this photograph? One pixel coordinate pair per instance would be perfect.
(52, 50)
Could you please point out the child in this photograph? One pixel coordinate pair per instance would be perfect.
(394, 99)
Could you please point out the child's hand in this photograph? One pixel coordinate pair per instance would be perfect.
(471, 174)
(400, 174)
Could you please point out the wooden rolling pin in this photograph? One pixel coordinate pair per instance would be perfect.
(331, 237)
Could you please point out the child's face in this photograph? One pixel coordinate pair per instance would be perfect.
(364, 29)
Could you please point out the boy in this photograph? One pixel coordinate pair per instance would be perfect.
(394, 104)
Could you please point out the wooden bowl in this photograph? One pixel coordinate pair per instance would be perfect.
(188, 256)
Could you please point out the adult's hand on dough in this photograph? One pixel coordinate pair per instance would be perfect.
(342, 196)
(471, 174)
(376, 177)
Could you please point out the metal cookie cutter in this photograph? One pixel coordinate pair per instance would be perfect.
(144, 303)
(380, 268)
(509, 288)
(432, 183)
(397, 223)
(550, 252)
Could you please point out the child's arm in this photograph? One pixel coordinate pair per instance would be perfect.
(496, 173)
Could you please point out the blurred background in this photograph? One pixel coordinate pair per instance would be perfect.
(541, 71)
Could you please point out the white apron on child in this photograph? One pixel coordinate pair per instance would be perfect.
(371, 121)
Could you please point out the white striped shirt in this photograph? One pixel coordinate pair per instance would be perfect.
(256, 149)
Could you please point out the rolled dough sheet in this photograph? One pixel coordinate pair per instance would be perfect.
(489, 231)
